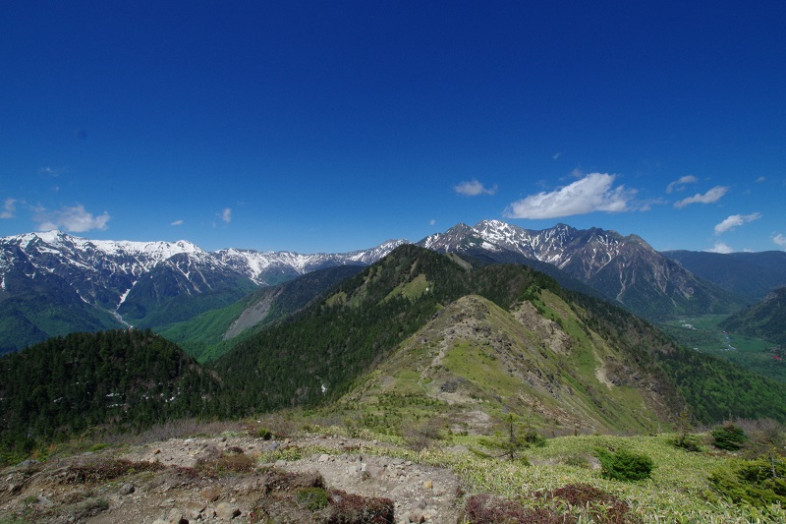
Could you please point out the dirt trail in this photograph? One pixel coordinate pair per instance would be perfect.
(172, 481)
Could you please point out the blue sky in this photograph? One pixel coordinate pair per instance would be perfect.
(334, 126)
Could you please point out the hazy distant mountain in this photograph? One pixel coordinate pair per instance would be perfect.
(625, 270)
(53, 283)
(751, 275)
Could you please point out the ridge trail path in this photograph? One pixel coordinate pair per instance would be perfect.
(52, 491)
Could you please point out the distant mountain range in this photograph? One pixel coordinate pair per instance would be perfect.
(53, 283)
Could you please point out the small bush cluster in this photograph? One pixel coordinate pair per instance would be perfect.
(576, 460)
(530, 437)
(728, 437)
(273, 426)
(421, 435)
(624, 465)
(312, 498)
(687, 442)
(514, 439)
(757, 482)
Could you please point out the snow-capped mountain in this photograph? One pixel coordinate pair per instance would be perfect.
(52, 283)
(273, 267)
(101, 272)
(624, 269)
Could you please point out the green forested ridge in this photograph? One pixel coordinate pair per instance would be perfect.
(765, 319)
(332, 342)
(717, 389)
(125, 377)
(319, 353)
(215, 332)
(152, 309)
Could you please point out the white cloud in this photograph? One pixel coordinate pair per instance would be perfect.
(49, 171)
(74, 219)
(226, 215)
(734, 221)
(713, 195)
(474, 188)
(722, 248)
(432, 222)
(594, 192)
(779, 239)
(176, 223)
(9, 208)
(761, 179)
(677, 185)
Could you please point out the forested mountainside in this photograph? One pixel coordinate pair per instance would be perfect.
(765, 319)
(126, 378)
(213, 333)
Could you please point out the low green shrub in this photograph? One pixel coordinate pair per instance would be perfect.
(514, 439)
(577, 460)
(313, 498)
(624, 464)
(759, 482)
(532, 438)
(687, 442)
(728, 437)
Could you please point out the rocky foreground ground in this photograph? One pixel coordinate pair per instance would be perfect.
(230, 479)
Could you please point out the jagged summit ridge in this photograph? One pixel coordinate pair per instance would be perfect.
(624, 269)
(553, 245)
